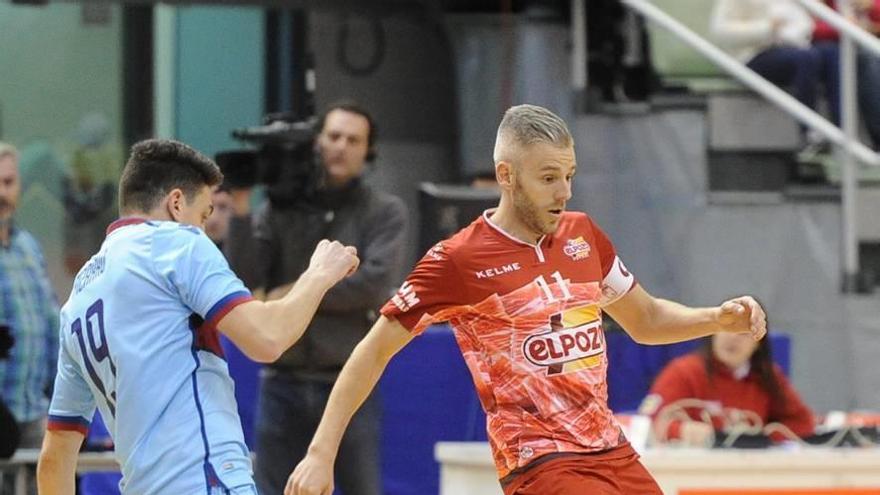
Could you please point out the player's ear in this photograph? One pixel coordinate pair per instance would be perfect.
(504, 173)
(175, 202)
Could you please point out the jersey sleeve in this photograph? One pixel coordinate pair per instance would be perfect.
(617, 281)
(198, 272)
(433, 286)
(73, 404)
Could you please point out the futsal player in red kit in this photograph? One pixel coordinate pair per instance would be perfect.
(525, 287)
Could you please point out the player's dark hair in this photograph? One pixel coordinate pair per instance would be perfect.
(156, 167)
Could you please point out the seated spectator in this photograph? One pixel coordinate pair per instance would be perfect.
(736, 387)
(772, 37)
(826, 38)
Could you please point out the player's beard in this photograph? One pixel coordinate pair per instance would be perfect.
(529, 213)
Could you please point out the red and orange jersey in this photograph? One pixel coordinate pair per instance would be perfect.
(528, 320)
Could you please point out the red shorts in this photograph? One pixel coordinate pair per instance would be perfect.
(615, 472)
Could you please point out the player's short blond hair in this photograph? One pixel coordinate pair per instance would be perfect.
(525, 125)
(8, 150)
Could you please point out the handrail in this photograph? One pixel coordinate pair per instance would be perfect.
(754, 81)
(845, 138)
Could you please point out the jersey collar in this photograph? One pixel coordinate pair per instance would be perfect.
(539, 252)
(488, 213)
(124, 222)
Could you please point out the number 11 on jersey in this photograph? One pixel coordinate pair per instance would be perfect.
(560, 282)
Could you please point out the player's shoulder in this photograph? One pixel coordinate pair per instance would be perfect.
(173, 236)
(576, 224)
(155, 228)
(468, 238)
(446, 252)
(577, 219)
(174, 227)
(179, 231)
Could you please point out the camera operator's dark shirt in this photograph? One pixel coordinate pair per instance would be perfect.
(275, 247)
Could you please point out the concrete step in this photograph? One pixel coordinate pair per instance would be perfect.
(742, 120)
(749, 170)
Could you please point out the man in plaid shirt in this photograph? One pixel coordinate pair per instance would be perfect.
(28, 310)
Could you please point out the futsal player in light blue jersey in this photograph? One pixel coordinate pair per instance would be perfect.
(139, 336)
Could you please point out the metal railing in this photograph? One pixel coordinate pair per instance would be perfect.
(846, 138)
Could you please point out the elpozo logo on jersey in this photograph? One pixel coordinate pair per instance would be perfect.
(566, 350)
(577, 249)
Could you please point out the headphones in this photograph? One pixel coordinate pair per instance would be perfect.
(372, 154)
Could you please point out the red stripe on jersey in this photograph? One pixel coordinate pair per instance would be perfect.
(66, 423)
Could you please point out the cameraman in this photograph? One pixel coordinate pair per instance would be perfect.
(269, 252)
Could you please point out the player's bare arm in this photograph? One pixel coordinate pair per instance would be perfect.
(651, 320)
(264, 330)
(56, 469)
(314, 475)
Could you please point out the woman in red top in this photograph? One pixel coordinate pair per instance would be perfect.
(732, 386)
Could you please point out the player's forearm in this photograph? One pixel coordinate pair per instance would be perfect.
(668, 322)
(286, 319)
(56, 473)
(357, 379)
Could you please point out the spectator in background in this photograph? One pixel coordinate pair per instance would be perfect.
(90, 190)
(272, 253)
(30, 310)
(772, 37)
(866, 14)
(217, 226)
(730, 374)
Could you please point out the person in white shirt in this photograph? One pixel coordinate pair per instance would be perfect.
(773, 38)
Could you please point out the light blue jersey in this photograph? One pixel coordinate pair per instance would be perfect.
(139, 341)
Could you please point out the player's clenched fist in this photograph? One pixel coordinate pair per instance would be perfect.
(743, 315)
(334, 260)
(311, 477)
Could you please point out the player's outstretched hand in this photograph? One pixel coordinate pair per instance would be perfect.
(333, 260)
(311, 477)
(743, 315)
